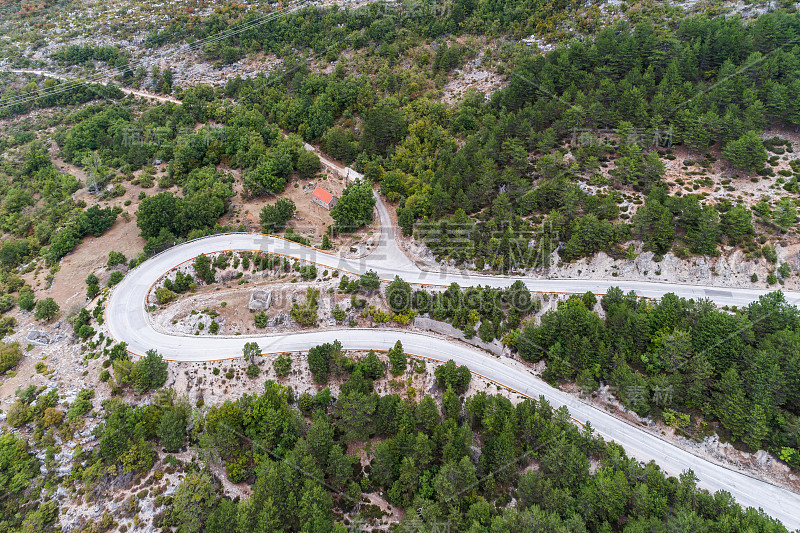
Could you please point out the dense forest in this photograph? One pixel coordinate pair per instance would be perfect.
(681, 360)
(310, 460)
(328, 32)
(696, 367)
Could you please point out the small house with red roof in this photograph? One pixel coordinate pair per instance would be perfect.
(324, 198)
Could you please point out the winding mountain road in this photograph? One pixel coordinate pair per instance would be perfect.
(128, 320)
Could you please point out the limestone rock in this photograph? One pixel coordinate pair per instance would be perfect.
(38, 337)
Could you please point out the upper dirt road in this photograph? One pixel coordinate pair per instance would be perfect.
(98, 80)
(128, 321)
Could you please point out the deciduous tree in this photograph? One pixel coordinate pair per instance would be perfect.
(354, 209)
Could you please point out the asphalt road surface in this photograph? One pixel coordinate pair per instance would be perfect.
(128, 321)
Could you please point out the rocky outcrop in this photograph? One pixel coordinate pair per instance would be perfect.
(40, 338)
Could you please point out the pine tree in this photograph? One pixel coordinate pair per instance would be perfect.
(785, 213)
(730, 404)
(703, 239)
(757, 429)
(451, 404)
(737, 223)
(746, 153)
(397, 359)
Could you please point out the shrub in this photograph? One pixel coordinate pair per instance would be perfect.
(305, 314)
(356, 302)
(290, 235)
(7, 325)
(183, 282)
(261, 319)
(10, 354)
(85, 332)
(26, 301)
(19, 413)
(369, 281)
(681, 252)
(92, 291)
(165, 296)
(115, 278)
(253, 370)
(790, 456)
(220, 262)
(326, 242)
(339, 314)
(379, 315)
(769, 253)
(118, 352)
(308, 272)
(6, 303)
(51, 417)
(81, 405)
(282, 365)
(116, 258)
(146, 181)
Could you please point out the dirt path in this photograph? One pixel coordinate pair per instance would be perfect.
(135, 92)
